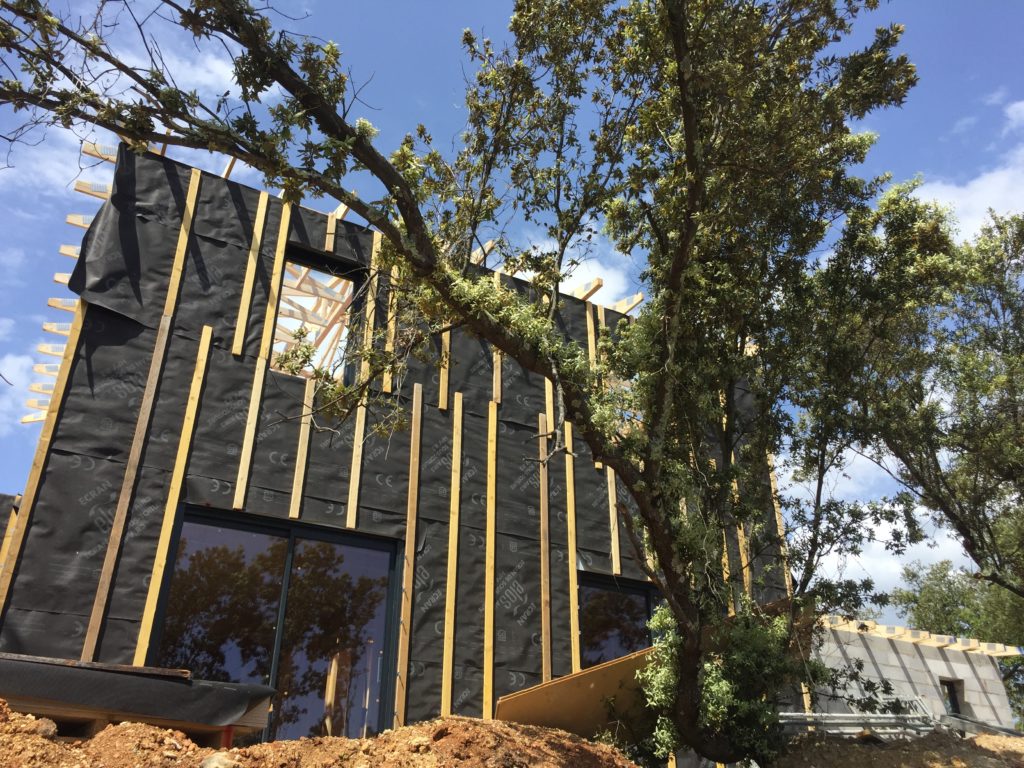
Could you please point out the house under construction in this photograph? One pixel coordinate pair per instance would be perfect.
(195, 548)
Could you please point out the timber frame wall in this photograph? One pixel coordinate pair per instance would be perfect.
(165, 398)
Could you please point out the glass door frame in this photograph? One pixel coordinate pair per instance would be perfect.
(292, 530)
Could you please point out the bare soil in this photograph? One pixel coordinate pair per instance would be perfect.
(28, 742)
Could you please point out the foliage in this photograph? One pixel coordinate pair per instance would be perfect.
(710, 139)
(947, 600)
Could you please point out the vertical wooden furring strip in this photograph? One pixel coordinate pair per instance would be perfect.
(489, 556)
(142, 422)
(124, 498)
(387, 383)
(727, 574)
(8, 535)
(252, 264)
(249, 436)
(332, 228)
(178, 266)
(549, 402)
(409, 560)
(174, 495)
(16, 539)
(359, 436)
(276, 278)
(592, 352)
(613, 520)
(496, 356)
(570, 520)
(302, 452)
(442, 376)
(448, 653)
(545, 550)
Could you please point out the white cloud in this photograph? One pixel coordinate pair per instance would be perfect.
(964, 124)
(17, 369)
(1014, 117)
(996, 97)
(53, 170)
(6, 326)
(1000, 188)
(11, 259)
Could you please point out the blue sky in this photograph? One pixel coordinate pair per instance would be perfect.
(962, 131)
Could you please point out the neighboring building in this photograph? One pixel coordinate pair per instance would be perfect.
(185, 511)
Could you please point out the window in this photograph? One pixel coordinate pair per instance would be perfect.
(301, 612)
(951, 695)
(613, 619)
(313, 319)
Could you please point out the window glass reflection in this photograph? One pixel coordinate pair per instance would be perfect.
(221, 622)
(328, 678)
(221, 616)
(613, 623)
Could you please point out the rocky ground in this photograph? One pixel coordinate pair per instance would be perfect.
(29, 742)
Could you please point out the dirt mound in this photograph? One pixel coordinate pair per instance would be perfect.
(28, 742)
(937, 750)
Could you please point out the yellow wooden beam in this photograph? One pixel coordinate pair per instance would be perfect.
(586, 291)
(71, 251)
(249, 435)
(613, 520)
(302, 452)
(489, 557)
(80, 220)
(628, 304)
(454, 506)
(163, 546)
(68, 305)
(100, 151)
(409, 561)
(570, 520)
(93, 189)
(181, 248)
(252, 264)
(545, 550)
(442, 379)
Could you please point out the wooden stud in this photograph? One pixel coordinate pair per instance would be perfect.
(249, 436)
(545, 551)
(448, 657)
(591, 335)
(332, 229)
(124, 498)
(356, 472)
(409, 562)
(274, 289)
(586, 291)
(570, 520)
(387, 383)
(496, 356)
(252, 264)
(489, 556)
(16, 539)
(613, 520)
(299, 480)
(174, 494)
(184, 232)
(442, 380)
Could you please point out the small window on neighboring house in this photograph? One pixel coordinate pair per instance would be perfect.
(951, 695)
(613, 619)
(313, 320)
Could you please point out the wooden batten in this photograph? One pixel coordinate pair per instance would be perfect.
(387, 380)
(252, 264)
(249, 436)
(448, 653)
(276, 278)
(549, 402)
(442, 379)
(370, 315)
(124, 498)
(302, 451)
(570, 520)
(613, 520)
(16, 539)
(545, 550)
(489, 558)
(356, 473)
(173, 497)
(181, 248)
(5, 543)
(409, 560)
(226, 174)
(496, 357)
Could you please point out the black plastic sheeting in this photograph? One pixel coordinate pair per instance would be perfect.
(127, 693)
(122, 275)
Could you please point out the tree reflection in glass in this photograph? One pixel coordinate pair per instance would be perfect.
(613, 623)
(222, 613)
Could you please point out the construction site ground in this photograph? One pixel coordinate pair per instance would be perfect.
(28, 742)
